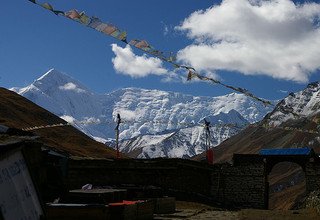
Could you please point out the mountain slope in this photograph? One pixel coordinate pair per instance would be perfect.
(18, 112)
(143, 112)
(299, 112)
(299, 105)
(295, 122)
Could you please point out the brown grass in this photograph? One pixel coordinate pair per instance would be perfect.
(18, 112)
(254, 214)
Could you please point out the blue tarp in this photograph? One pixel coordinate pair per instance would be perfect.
(286, 151)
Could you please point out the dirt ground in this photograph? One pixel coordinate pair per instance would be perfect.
(196, 211)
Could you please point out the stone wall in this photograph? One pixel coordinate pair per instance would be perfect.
(242, 184)
(174, 174)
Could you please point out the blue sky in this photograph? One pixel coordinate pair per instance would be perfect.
(266, 53)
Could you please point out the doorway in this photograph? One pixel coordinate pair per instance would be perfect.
(287, 186)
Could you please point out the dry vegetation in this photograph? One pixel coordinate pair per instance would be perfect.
(18, 112)
(196, 211)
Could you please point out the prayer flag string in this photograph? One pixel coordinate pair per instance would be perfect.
(113, 31)
(266, 126)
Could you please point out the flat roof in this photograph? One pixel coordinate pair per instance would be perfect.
(286, 151)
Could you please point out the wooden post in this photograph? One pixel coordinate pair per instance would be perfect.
(208, 142)
(117, 135)
(207, 131)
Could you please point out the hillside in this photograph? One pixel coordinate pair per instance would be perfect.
(252, 139)
(18, 112)
(293, 123)
(287, 126)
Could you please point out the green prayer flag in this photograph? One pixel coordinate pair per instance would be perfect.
(122, 36)
(47, 6)
(84, 19)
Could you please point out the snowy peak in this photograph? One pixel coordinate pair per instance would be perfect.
(297, 105)
(232, 117)
(52, 74)
(54, 79)
(61, 94)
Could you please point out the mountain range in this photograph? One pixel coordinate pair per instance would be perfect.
(154, 123)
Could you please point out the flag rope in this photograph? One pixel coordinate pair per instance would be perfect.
(230, 125)
(111, 30)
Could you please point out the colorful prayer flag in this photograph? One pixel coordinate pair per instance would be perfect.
(122, 36)
(109, 29)
(95, 22)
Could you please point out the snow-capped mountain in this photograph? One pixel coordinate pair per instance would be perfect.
(143, 112)
(185, 142)
(62, 95)
(302, 104)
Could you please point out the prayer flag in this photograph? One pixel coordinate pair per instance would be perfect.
(84, 19)
(47, 6)
(73, 14)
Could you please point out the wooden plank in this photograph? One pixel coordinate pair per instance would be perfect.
(76, 211)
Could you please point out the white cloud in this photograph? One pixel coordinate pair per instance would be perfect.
(68, 119)
(72, 87)
(126, 62)
(166, 28)
(175, 76)
(127, 115)
(276, 38)
(85, 121)
(172, 77)
(165, 31)
(283, 91)
(90, 120)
